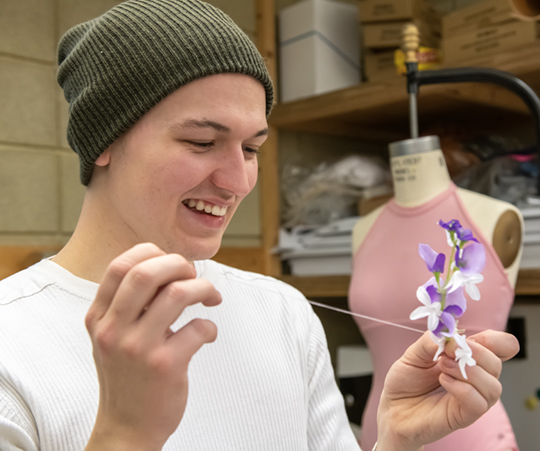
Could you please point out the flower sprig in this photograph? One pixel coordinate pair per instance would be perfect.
(443, 295)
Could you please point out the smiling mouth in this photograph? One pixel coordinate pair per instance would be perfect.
(202, 207)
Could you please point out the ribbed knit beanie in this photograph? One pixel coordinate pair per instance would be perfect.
(115, 68)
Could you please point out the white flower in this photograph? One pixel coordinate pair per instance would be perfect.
(439, 342)
(469, 281)
(431, 310)
(449, 239)
(463, 354)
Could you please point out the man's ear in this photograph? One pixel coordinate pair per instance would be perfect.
(105, 158)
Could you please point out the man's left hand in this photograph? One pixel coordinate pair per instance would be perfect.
(423, 400)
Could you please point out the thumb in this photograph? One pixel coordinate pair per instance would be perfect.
(421, 352)
(415, 373)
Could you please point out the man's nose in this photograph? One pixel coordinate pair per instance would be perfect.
(234, 172)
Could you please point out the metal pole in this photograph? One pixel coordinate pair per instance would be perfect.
(413, 115)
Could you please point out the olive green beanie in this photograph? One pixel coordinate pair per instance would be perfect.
(115, 68)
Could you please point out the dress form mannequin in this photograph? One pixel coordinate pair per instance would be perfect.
(387, 270)
(421, 176)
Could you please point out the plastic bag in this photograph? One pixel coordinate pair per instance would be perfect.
(330, 192)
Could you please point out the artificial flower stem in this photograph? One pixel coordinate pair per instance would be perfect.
(448, 275)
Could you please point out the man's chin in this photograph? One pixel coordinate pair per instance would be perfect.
(203, 251)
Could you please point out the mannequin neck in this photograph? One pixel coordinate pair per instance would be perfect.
(419, 177)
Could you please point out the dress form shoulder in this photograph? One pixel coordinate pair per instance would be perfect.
(501, 223)
(363, 226)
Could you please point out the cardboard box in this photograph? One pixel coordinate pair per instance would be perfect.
(379, 65)
(388, 10)
(483, 14)
(428, 59)
(489, 40)
(319, 48)
(366, 206)
(390, 34)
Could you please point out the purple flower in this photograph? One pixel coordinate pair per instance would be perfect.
(446, 321)
(462, 233)
(454, 302)
(451, 225)
(439, 319)
(431, 290)
(434, 261)
(471, 259)
(455, 305)
(465, 234)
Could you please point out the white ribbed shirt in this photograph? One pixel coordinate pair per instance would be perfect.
(266, 383)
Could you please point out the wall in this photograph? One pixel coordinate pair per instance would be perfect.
(40, 193)
(39, 197)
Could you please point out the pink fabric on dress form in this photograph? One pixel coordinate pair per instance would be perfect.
(387, 270)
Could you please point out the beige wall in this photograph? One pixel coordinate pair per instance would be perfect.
(40, 193)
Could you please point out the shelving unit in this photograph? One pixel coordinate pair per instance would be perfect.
(378, 112)
(528, 283)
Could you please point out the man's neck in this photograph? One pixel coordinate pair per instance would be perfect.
(419, 177)
(84, 259)
(94, 243)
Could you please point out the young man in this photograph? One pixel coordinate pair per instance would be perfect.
(168, 108)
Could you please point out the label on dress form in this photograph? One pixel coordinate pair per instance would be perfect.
(404, 169)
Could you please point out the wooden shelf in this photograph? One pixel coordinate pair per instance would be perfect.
(320, 286)
(528, 283)
(16, 258)
(380, 111)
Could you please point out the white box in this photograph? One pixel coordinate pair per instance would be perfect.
(320, 262)
(319, 48)
(531, 219)
(531, 251)
(353, 361)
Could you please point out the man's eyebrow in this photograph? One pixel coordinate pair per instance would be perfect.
(205, 123)
(195, 123)
(263, 132)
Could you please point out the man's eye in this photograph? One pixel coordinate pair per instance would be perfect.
(251, 150)
(202, 145)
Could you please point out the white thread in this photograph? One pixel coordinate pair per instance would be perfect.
(363, 316)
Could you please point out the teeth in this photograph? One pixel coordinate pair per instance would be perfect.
(214, 210)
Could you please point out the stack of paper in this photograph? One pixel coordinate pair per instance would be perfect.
(531, 238)
(319, 251)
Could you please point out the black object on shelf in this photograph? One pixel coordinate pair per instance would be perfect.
(416, 78)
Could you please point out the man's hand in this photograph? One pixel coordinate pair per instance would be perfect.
(423, 400)
(141, 364)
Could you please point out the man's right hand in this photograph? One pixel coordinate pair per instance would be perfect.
(141, 364)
